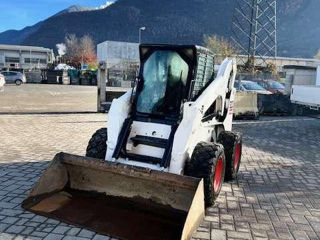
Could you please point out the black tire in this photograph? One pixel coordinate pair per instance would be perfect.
(260, 108)
(232, 143)
(97, 145)
(205, 163)
(18, 82)
(256, 116)
(300, 111)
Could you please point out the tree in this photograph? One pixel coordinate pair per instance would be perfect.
(220, 46)
(72, 48)
(87, 49)
(271, 68)
(81, 50)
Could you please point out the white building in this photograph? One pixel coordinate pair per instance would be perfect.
(122, 61)
(25, 57)
(114, 53)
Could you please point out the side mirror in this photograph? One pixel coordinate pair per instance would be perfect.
(134, 86)
(134, 82)
(191, 89)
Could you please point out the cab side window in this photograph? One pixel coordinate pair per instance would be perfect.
(204, 74)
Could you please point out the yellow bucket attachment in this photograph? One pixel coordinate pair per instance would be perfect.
(118, 200)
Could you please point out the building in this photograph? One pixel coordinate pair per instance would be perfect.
(301, 75)
(122, 61)
(113, 52)
(25, 57)
(280, 62)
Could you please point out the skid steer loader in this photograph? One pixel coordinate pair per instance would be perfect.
(167, 150)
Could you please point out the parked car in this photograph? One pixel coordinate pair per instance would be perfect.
(14, 77)
(249, 86)
(2, 82)
(272, 86)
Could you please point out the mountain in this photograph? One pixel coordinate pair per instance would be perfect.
(298, 28)
(182, 22)
(18, 36)
(74, 8)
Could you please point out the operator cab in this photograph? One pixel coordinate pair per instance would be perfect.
(163, 82)
(168, 77)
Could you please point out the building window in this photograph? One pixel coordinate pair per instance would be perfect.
(35, 60)
(12, 60)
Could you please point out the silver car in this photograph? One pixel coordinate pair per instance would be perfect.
(14, 77)
(249, 86)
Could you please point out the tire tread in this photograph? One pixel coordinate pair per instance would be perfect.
(202, 165)
(229, 140)
(97, 145)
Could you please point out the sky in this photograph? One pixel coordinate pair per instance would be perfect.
(17, 14)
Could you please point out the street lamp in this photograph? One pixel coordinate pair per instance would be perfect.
(140, 32)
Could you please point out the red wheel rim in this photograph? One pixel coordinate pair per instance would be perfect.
(237, 157)
(217, 181)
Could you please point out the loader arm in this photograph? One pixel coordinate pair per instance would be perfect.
(193, 129)
(220, 87)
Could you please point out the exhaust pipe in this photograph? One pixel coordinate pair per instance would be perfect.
(117, 200)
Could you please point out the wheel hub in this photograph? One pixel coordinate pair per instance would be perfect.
(237, 156)
(217, 181)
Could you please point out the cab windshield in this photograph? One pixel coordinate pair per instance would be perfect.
(165, 75)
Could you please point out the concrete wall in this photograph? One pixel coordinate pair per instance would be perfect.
(246, 104)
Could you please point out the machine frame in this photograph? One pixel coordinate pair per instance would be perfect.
(202, 119)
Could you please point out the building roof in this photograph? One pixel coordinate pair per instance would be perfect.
(299, 67)
(286, 58)
(24, 48)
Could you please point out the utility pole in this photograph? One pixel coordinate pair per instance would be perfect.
(254, 30)
(140, 33)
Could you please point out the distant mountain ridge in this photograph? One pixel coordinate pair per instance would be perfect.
(18, 36)
(167, 21)
(74, 8)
